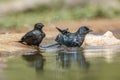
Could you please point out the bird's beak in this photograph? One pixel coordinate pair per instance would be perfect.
(90, 30)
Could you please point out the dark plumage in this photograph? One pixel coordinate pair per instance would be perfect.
(35, 36)
(64, 31)
(73, 39)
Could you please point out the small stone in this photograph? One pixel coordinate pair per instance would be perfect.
(108, 39)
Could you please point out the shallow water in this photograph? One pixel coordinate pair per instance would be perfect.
(66, 64)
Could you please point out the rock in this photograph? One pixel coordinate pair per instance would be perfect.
(108, 39)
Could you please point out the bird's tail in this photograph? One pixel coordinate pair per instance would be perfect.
(59, 29)
(19, 41)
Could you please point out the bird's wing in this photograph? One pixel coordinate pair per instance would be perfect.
(28, 36)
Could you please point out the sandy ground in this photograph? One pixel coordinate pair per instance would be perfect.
(9, 38)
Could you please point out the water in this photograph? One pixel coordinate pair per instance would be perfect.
(67, 64)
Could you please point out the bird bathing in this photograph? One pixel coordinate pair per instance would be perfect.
(93, 42)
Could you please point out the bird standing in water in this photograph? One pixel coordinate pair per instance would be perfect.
(73, 39)
(35, 36)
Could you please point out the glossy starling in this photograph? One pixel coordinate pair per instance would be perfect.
(73, 39)
(35, 36)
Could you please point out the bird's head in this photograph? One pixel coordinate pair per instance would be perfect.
(83, 30)
(38, 26)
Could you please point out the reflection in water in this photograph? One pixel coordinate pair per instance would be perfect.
(108, 52)
(64, 64)
(65, 58)
(35, 59)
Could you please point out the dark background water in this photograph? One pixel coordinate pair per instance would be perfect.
(88, 64)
